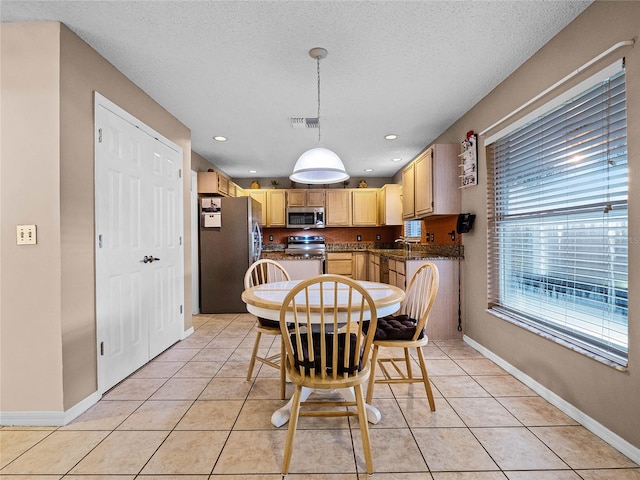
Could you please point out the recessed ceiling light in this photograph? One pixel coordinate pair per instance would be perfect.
(391, 136)
(396, 159)
(253, 171)
(368, 169)
(220, 138)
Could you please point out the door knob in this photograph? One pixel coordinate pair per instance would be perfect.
(149, 259)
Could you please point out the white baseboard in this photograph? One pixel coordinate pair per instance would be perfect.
(48, 419)
(579, 416)
(187, 333)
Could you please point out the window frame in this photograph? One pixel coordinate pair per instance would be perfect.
(496, 270)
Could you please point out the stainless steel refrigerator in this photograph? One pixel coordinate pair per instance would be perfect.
(230, 241)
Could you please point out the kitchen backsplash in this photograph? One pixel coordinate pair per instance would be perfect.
(439, 228)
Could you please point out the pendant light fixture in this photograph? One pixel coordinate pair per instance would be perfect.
(319, 165)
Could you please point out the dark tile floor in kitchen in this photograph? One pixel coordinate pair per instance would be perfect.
(191, 414)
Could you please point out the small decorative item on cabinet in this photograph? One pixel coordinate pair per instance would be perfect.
(274, 183)
(345, 184)
(255, 184)
(362, 184)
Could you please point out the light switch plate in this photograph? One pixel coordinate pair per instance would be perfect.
(26, 235)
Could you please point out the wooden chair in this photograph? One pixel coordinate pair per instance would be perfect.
(407, 330)
(327, 349)
(267, 271)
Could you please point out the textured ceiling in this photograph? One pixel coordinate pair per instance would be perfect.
(241, 68)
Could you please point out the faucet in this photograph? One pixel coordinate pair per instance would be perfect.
(407, 244)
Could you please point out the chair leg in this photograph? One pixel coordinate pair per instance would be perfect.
(291, 432)
(364, 429)
(407, 360)
(372, 374)
(256, 344)
(425, 378)
(283, 371)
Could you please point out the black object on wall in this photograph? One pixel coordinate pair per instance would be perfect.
(465, 222)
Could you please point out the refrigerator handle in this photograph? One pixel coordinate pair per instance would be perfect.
(257, 242)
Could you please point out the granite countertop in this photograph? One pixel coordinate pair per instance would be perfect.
(280, 255)
(418, 252)
(403, 255)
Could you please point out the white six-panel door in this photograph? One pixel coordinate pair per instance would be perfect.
(139, 257)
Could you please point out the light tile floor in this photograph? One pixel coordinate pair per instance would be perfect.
(191, 414)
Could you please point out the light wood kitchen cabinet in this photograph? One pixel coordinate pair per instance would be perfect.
(338, 208)
(423, 190)
(360, 266)
(443, 319)
(364, 203)
(213, 183)
(276, 201)
(390, 205)
(339, 263)
(374, 267)
(260, 196)
(408, 195)
(397, 273)
(296, 198)
(305, 198)
(435, 187)
(273, 206)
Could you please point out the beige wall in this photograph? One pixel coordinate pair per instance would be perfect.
(30, 311)
(609, 396)
(201, 164)
(48, 99)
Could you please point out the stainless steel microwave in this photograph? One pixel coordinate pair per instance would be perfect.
(305, 217)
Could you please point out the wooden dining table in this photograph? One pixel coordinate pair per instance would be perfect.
(265, 301)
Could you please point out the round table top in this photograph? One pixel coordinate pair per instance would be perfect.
(265, 300)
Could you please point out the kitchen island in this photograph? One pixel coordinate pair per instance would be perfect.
(299, 267)
(395, 266)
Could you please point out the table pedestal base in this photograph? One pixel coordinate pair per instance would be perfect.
(281, 416)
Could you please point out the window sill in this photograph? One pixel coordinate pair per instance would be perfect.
(555, 339)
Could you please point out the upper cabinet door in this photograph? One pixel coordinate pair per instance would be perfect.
(338, 208)
(423, 184)
(296, 198)
(315, 198)
(408, 188)
(276, 209)
(365, 207)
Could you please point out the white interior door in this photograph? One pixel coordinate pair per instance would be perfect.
(139, 260)
(163, 238)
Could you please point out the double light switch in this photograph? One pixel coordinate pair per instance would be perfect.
(26, 235)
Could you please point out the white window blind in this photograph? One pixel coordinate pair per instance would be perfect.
(558, 237)
(413, 229)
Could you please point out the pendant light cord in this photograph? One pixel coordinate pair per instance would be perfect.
(318, 63)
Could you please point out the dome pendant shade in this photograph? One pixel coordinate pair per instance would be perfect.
(319, 166)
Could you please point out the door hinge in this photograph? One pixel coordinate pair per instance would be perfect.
(179, 173)
(101, 348)
(99, 135)
(100, 241)
(180, 240)
(181, 309)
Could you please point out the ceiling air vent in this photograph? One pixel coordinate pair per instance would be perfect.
(300, 122)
